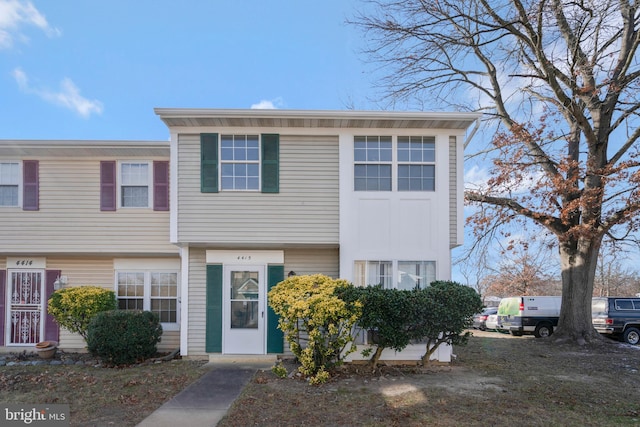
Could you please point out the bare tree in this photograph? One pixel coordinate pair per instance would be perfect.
(612, 277)
(523, 271)
(562, 79)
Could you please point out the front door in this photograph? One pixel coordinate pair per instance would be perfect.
(244, 310)
(25, 315)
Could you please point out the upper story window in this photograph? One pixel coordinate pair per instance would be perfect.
(9, 183)
(416, 163)
(373, 158)
(134, 185)
(138, 184)
(240, 162)
(19, 184)
(407, 160)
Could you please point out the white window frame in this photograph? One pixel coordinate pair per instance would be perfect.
(410, 162)
(257, 162)
(395, 163)
(149, 184)
(426, 276)
(363, 275)
(19, 179)
(146, 297)
(392, 279)
(373, 162)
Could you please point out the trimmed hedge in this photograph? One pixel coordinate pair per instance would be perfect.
(123, 337)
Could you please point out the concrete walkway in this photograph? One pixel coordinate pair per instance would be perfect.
(205, 402)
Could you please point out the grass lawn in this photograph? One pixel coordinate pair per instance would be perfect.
(495, 380)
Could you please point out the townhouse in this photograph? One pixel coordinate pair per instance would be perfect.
(200, 227)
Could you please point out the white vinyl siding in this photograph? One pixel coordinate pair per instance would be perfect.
(197, 302)
(312, 261)
(70, 209)
(305, 211)
(455, 207)
(97, 272)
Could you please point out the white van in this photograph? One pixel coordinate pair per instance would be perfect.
(529, 315)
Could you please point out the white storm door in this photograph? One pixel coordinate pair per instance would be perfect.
(244, 310)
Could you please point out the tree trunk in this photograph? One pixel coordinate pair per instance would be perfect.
(376, 358)
(578, 260)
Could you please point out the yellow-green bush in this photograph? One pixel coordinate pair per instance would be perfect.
(316, 322)
(73, 308)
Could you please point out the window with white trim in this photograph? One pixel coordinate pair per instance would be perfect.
(10, 179)
(155, 291)
(416, 274)
(240, 162)
(405, 275)
(416, 163)
(373, 157)
(371, 273)
(134, 185)
(406, 163)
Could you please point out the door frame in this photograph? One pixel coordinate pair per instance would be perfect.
(252, 347)
(237, 259)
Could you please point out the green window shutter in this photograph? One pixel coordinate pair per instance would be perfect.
(275, 337)
(209, 162)
(213, 343)
(270, 163)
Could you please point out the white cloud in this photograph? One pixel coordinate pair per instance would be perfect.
(68, 96)
(267, 104)
(477, 179)
(14, 14)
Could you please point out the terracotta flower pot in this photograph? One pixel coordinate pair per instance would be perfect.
(46, 349)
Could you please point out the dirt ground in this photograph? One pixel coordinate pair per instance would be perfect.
(495, 380)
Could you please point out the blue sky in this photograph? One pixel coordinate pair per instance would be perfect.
(77, 69)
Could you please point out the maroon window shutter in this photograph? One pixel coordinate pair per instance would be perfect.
(108, 186)
(160, 186)
(3, 298)
(30, 185)
(51, 328)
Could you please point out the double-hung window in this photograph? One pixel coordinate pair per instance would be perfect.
(373, 163)
(9, 183)
(134, 185)
(240, 162)
(416, 163)
(155, 291)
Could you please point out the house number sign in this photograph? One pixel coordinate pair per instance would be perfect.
(19, 262)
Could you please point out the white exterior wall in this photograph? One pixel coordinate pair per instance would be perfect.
(393, 225)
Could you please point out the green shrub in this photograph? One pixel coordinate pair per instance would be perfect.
(443, 311)
(73, 308)
(120, 337)
(316, 322)
(388, 313)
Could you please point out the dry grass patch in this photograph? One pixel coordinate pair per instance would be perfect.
(99, 396)
(495, 380)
